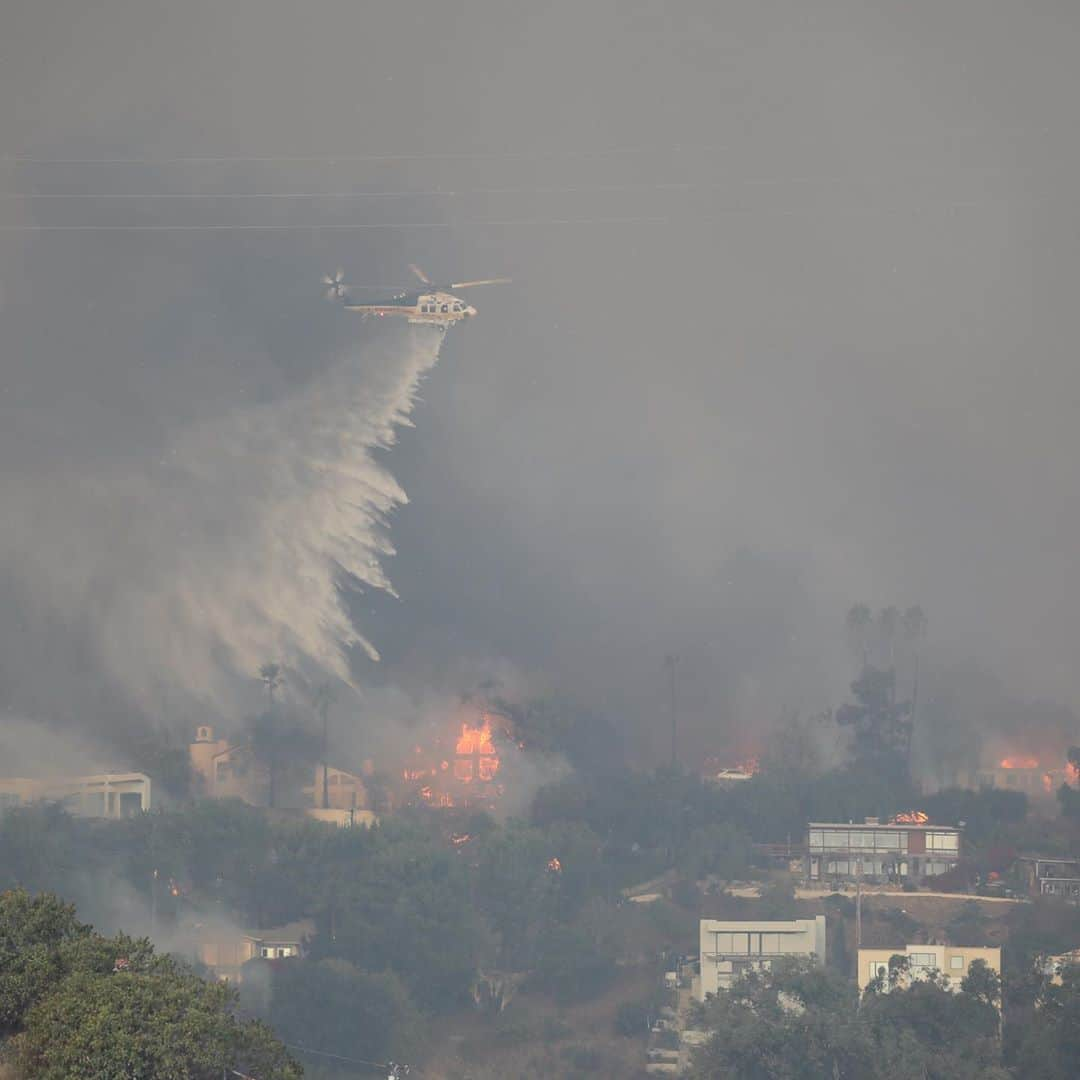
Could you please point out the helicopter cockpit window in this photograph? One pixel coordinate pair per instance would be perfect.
(446, 308)
(458, 307)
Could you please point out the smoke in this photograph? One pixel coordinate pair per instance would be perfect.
(189, 568)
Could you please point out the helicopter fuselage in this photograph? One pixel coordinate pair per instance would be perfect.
(433, 308)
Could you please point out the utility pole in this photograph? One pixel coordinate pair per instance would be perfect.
(153, 901)
(858, 910)
(669, 662)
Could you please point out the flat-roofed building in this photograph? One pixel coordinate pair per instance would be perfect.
(876, 852)
(953, 961)
(1052, 876)
(108, 795)
(729, 949)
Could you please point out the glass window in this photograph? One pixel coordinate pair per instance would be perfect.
(740, 943)
(445, 308)
(770, 943)
(887, 841)
(956, 962)
(723, 943)
(836, 839)
(815, 838)
(922, 960)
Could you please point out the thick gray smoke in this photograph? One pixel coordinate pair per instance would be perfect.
(229, 547)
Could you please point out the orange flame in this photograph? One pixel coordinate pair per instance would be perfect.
(911, 817)
(476, 755)
(554, 866)
(1019, 763)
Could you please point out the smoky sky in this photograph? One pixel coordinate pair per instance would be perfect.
(792, 323)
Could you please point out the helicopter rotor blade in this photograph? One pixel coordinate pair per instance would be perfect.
(419, 273)
(482, 281)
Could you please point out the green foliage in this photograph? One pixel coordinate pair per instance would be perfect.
(82, 1005)
(335, 1007)
(715, 849)
(880, 726)
(572, 965)
(801, 1023)
(1069, 799)
(406, 907)
(1045, 1044)
(170, 1025)
(984, 812)
(633, 1018)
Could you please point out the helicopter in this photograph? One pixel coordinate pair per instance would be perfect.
(433, 305)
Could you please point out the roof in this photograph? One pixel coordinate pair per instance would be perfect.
(289, 934)
(863, 826)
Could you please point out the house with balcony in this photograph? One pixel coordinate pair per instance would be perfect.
(731, 948)
(896, 852)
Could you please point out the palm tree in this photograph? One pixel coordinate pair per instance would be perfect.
(859, 620)
(323, 698)
(889, 621)
(270, 677)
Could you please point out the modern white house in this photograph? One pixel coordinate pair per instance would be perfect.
(108, 795)
(728, 949)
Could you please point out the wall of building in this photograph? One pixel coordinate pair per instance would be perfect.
(879, 852)
(728, 948)
(109, 795)
(950, 960)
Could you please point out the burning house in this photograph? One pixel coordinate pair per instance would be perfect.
(458, 768)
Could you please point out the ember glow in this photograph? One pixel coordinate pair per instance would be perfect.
(1019, 763)
(554, 866)
(911, 817)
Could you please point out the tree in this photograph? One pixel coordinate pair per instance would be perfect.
(335, 1007)
(270, 677)
(881, 727)
(167, 1024)
(799, 1022)
(78, 1004)
(859, 621)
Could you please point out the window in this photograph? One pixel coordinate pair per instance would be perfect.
(770, 943)
(815, 838)
(942, 842)
(956, 963)
(445, 308)
(922, 960)
(835, 839)
(887, 841)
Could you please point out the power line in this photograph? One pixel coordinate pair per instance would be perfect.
(484, 155)
(395, 1069)
(666, 220)
(396, 193)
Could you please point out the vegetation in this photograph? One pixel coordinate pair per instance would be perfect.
(76, 1004)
